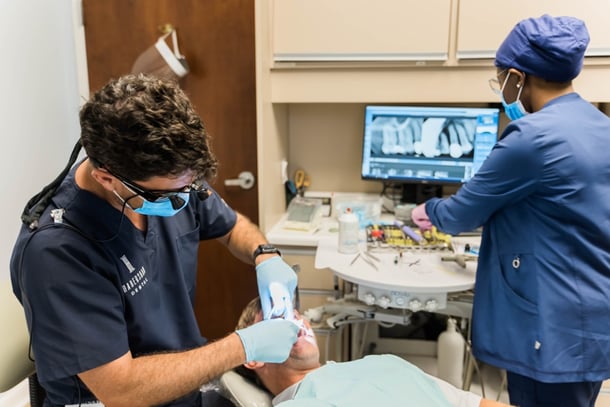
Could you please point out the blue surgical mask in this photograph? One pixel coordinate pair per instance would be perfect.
(161, 207)
(513, 110)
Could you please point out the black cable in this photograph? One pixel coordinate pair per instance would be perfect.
(37, 204)
(37, 392)
(77, 384)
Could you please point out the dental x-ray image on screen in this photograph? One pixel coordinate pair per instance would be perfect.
(427, 144)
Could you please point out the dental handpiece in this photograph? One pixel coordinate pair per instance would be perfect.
(408, 231)
(281, 303)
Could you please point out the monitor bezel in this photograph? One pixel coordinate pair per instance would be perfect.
(403, 179)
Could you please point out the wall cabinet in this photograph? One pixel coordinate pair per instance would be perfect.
(406, 51)
(360, 30)
(477, 17)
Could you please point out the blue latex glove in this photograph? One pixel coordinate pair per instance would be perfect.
(268, 341)
(270, 274)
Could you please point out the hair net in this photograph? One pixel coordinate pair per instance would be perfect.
(551, 48)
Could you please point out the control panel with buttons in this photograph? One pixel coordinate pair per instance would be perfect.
(419, 301)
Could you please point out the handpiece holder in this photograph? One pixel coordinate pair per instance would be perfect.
(420, 193)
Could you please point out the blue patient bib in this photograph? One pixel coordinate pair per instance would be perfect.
(383, 380)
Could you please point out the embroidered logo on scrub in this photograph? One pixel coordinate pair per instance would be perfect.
(137, 281)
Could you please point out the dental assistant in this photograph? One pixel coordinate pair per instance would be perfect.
(107, 272)
(541, 307)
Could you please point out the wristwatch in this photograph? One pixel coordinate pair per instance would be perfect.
(265, 249)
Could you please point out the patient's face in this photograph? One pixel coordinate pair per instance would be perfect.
(305, 352)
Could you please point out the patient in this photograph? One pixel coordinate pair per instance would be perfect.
(382, 379)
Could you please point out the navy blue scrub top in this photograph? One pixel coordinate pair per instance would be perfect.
(541, 304)
(101, 288)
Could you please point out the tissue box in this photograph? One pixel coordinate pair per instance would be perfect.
(367, 207)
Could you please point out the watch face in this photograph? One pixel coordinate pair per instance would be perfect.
(264, 249)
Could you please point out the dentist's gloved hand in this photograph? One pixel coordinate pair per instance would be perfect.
(269, 341)
(420, 218)
(274, 270)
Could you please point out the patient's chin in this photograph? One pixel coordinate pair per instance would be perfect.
(304, 355)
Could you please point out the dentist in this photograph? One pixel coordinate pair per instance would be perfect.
(105, 264)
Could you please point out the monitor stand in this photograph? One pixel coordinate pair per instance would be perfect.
(420, 193)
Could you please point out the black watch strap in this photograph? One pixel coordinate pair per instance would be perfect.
(265, 249)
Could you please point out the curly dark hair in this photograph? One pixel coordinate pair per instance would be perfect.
(138, 126)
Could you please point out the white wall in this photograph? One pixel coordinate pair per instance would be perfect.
(39, 103)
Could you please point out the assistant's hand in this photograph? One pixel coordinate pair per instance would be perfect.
(420, 218)
(274, 270)
(268, 341)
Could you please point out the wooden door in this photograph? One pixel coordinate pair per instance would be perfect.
(217, 40)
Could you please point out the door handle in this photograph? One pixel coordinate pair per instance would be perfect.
(245, 180)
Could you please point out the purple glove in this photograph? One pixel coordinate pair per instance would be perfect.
(420, 218)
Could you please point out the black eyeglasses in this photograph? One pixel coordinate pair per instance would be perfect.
(154, 195)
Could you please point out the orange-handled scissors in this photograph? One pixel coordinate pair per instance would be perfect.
(301, 181)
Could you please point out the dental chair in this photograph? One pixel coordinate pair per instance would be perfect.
(15, 366)
(242, 392)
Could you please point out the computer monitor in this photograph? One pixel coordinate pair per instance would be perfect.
(426, 145)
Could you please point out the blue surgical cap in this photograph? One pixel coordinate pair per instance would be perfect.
(552, 48)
